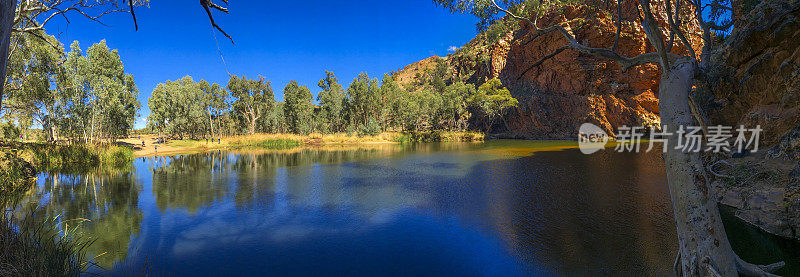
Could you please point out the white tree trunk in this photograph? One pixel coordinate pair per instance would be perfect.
(704, 247)
(6, 22)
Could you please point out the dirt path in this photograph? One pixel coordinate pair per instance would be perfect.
(153, 148)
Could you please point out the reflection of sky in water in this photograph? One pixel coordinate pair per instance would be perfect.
(367, 216)
(498, 208)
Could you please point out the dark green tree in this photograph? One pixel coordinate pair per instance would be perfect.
(298, 108)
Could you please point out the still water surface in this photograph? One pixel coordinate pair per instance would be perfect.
(501, 208)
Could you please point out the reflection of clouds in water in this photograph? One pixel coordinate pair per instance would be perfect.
(291, 217)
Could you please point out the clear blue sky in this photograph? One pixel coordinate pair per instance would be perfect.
(281, 40)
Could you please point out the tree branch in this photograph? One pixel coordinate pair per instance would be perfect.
(748, 269)
(625, 62)
(538, 63)
(207, 5)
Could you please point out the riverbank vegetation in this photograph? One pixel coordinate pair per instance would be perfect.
(367, 108)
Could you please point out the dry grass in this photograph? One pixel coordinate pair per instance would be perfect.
(342, 138)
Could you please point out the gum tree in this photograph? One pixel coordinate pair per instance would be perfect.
(704, 247)
(32, 16)
(254, 99)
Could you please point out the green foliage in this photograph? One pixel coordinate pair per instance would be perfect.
(99, 98)
(364, 99)
(254, 99)
(76, 157)
(492, 98)
(372, 128)
(79, 95)
(332, 101)
(299, 108)
(350, 130)
(36, 248)
(274, 144)
(10, 132)
(181, 108)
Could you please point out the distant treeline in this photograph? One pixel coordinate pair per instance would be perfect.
(189, 109)
(86, 96)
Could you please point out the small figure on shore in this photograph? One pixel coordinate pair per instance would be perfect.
(156, 148)
(207, 141)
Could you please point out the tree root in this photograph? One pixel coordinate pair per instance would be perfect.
(748, 269)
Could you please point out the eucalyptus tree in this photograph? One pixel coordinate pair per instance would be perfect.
(254, 99)
(391, 97)
(298, 108)
(492, 98)
(103, 98)
(331, 100)
(454, 105)
(703, 244)
(363, 99)
(177, 108)
(34, 67)
(32, 16)
(216, 103)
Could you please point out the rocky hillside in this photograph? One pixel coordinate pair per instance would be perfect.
(754, 79)
(571, 88)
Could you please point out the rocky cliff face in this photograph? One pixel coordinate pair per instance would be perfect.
(754, 77)
(571, 88)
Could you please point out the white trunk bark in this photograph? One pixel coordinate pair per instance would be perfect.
(7, 8)
(704, 246)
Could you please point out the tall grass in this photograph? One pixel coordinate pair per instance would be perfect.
(52, 157)
(33, 248)
(15, 175)
(264, 141)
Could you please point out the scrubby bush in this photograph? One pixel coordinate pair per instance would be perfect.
(372, 128)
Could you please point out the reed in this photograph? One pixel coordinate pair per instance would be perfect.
(29, 247)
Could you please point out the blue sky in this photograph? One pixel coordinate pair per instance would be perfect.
(281, 40)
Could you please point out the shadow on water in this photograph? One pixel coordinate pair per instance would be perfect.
(497, 208)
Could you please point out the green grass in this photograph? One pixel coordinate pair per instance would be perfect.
(272, 144)
(60, 158)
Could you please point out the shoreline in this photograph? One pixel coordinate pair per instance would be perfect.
(284, 141)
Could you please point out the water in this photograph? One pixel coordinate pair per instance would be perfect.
(501, 208)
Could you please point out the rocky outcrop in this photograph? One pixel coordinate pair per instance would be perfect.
(754, 78)
(571, 88)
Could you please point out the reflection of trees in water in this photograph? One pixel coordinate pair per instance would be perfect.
(108, 200)
(253, 178)
(190, 182)
(614, 216)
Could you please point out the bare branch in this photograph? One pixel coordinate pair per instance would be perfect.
(653, 34)
(133, 14)
(207, 5)
(748, 269)
(675, 28)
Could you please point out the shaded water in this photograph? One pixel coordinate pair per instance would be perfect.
(495, 208)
